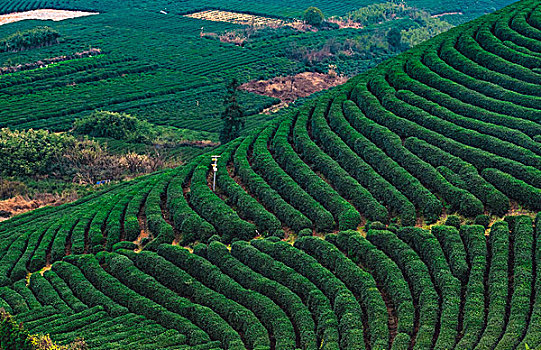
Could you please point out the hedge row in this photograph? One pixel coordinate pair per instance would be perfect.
(66, 323)
(340, 161)
(296, 311)
(453, 248)
(46, 294)
(474, 304)
(514, 188)
(213, 209)
(191, 226)
(269, 314)
(266, 166)
(84, 290)
(494, 200)
(12, 256)
(245, 204)
(64, 291)
(406, 128)
(95, 234)
(389, 168)
(428, 69)
(16, 302)
(345, 214)
(124, 270)
(154, 213)
(504, 30)
(487, 40)
(20, 270)
(519, 309)
(167, 273)
(510, 103)
(447, 286)
(387, 274)
(257, 186)
(533, 333)
(520, 24)
(131, 221)
(358, 281)
(318, 304)
(345, 305)
(446, 126)
(418, 276)
(461, 200)
(490, 127)
(343, 143)
(472, 49)
(29, 297)
(130, 300)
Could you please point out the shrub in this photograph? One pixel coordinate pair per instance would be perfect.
(483, 220)
(118, 126)
(453, 220)
(313, 16)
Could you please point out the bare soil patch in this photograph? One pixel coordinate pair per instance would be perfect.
(344, 22)
(21, 204)
(290, 88)
(446, 14)
(44, 14)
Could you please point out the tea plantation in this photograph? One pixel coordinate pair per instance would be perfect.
(157, 66)
(362, 180)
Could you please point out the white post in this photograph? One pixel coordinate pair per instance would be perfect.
(215, 169)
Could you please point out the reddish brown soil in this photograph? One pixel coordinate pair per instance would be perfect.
(290, 88)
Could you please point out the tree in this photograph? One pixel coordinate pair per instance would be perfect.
(313, 16)
(233, 116)
(394, 38)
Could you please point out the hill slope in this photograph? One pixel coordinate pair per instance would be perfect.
(451, 126)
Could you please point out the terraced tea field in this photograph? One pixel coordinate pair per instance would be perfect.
(360, 179)
(142, 69)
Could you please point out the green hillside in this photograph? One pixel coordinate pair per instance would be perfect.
(157, 66)
(376, 167)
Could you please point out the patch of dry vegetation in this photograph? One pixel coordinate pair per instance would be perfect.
(44, 14)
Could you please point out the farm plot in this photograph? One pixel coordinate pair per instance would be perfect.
(237, 18)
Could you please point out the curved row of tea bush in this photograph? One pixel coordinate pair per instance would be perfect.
(390, 290)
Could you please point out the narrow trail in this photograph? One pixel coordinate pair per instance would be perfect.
(510, 281)
(143, 225)
(392, 320)
(165, 213)
(69, 243)
(86, 248)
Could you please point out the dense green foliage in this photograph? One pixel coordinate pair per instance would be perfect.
(31, 152)
(118, 126)
(313, 16)
(233, 116)
(29, 39)
(12, 335)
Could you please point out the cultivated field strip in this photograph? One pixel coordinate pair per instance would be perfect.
(412, 288)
